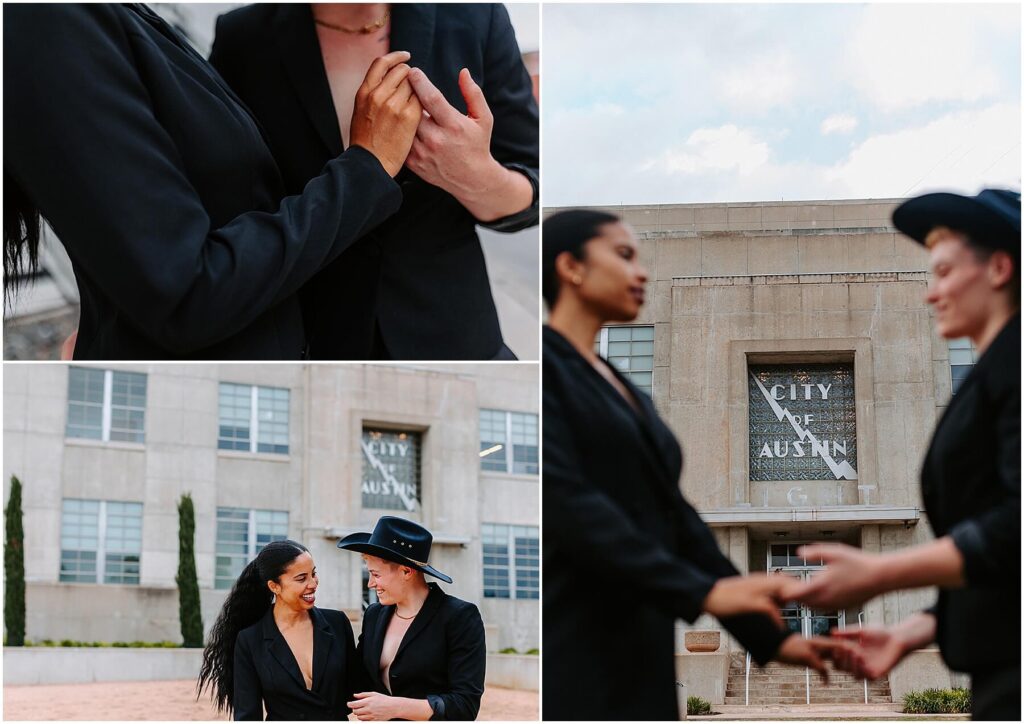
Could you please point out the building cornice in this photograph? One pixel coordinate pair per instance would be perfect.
(862, 514)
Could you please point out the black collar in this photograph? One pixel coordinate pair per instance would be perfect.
(275, 644)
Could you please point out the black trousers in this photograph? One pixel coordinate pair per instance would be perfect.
(995, 694)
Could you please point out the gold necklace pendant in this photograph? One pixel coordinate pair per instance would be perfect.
(365, 30)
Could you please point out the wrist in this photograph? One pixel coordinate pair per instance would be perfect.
(484, 184)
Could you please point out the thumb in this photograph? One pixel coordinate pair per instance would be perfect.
(476, 104)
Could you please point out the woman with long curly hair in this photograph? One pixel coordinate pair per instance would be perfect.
(272, 649)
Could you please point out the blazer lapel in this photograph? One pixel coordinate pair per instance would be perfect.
(278, 649)
(412, 29)
(379, 630)
(323, 640)
(429, 610)
(299, 49)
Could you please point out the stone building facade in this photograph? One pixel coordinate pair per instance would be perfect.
(790, 348)
(311, 452)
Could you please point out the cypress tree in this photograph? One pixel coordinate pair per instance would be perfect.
(188, 584)
(14, 567)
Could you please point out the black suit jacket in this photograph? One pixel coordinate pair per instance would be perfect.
(624, 554)
(266, 673)
(419, 283)
(970, 483)
(442, 656)
(162, 189)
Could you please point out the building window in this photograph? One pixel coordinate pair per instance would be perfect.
(501, 431)
(962, 356)
(241, 535)
(369, 594)
(100, 541)
(106, 405)
(253, 419)
(631, 351)
(391, 469)
(511, 561)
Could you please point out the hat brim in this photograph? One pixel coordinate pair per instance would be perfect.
(918, 216)
(358, 542)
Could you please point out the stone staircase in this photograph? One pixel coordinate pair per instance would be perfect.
(777, 684)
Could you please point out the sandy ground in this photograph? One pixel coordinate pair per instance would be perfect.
(137, 700)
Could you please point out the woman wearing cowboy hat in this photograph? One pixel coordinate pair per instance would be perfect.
(970, 478)
(423, 650)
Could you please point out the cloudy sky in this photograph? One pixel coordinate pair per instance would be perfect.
(698, 103)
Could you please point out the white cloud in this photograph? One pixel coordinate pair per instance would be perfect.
(838, 123)
(962, 151)
(764, 82)
(727, 148)
(903, 56)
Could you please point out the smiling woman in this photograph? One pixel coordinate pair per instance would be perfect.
(271, 649)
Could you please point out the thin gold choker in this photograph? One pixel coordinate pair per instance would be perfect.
(365, 30)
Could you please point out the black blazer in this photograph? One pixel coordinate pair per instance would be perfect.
(624, 554)
(266, 673)
(970, 484)
(419, 283)
(162, 189)
(442, 656)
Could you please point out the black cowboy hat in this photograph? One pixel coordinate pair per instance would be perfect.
(991, 219)
(397, 540)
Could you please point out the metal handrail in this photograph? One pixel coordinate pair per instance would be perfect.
(807, 683)
(746, 696)
(860, 624)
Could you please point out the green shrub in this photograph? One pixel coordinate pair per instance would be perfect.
(188, 583)
(937, 701)
(696, 706)
(14, 568)
(72, 643)
(509, 650)
(533, 652)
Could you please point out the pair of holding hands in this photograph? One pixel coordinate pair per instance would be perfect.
(403, 119)
(850, 578)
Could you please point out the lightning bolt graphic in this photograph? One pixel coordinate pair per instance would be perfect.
(409, 503)
(841, 471)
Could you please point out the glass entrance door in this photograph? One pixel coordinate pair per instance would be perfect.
(796, 617)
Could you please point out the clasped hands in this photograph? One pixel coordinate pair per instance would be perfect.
(403, 119)
(850, 578)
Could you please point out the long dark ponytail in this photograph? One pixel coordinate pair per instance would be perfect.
(21, 235)
(249, 600)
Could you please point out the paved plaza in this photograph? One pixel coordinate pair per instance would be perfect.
(176, 701)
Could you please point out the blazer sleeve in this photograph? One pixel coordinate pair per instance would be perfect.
(248, 695)
(595, 534)
(467, 661)
(84, 143)
(758, 633)
(990, 541)
(515, 138)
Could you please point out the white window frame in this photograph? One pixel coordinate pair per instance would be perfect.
(949, 350)
(101, 543)
(108, 396)
(250, 541)
(254, 414)
(602, 348)
(510, 552)
(508, 445)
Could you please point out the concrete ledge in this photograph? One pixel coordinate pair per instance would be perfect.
(812, 278)
(514, 671)
(60, 665)
(67, 665)
(866, 514)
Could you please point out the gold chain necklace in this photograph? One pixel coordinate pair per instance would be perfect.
(365, 30)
